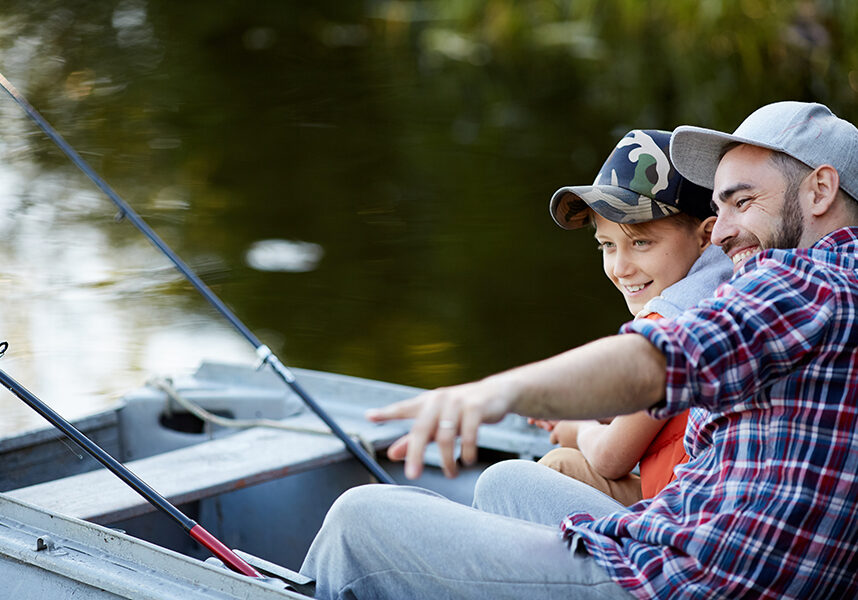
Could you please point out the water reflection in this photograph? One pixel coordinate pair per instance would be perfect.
(365, 184)
(85, 317)
(284, 255)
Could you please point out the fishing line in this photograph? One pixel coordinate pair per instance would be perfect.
(262, 351)
(70, 448)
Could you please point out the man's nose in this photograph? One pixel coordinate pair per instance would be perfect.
(724, 229)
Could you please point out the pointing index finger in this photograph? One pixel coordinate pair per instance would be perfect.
(404, 409)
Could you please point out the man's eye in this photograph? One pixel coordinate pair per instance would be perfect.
(742, 202)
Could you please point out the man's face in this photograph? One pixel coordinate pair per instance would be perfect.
(756, 207)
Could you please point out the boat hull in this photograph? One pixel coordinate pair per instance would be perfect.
(260, 490)
(46, 555)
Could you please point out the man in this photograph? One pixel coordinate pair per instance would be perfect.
(766, 505)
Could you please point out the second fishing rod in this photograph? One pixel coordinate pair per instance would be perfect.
(262, 351)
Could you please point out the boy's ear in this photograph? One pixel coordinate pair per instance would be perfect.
(704, 232)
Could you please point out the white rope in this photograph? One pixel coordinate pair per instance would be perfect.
(166, 386)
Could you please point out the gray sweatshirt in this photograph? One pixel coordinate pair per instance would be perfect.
(708, 272)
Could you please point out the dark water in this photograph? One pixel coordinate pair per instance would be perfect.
(364, 183)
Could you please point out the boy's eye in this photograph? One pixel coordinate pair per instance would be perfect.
(641, 243)
(603, 246)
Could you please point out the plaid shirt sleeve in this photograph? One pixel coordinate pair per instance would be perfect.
(759, 327)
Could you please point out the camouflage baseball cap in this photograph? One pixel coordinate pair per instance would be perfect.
(637, 183)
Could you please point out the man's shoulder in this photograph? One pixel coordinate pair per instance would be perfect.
(834, 252)
(811, 276)
(837, 249)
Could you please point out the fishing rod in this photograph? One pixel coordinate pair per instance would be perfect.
(264, 353)
(191, 527)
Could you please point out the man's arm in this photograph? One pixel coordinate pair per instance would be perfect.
(611, 376)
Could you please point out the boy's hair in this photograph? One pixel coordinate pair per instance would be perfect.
(681, 219)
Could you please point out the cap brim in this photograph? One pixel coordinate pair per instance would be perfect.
(569, 206)
(696, 152)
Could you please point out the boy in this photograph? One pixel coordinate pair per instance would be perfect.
(653, 228)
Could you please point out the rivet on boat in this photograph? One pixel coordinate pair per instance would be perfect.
(47, 543)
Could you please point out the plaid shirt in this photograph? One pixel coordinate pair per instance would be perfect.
(767, 507)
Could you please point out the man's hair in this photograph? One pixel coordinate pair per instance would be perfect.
(794, 172)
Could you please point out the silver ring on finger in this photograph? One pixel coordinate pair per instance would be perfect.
(447, 424)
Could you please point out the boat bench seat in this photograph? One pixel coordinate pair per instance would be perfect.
(203, 470)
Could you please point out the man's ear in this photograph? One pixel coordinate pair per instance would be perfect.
(823, 182)
(704, 232)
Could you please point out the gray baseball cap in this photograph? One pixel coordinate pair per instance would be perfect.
(636, 184)
(808, 132)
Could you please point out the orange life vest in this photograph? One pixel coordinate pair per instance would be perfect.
(665, 452)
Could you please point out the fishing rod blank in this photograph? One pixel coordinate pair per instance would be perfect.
(193, 529)
(263, 352)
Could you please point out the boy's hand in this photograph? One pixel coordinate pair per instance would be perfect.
(565, 433)
(546, 424)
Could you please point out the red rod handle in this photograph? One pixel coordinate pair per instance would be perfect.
(217, 548)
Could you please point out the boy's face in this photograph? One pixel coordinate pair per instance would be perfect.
(643, 260)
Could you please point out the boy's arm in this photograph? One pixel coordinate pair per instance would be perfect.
(565, 433)
(615, 375)
(614, 450)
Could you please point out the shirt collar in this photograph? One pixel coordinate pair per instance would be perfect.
(845, 236)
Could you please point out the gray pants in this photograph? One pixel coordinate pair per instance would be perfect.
(402, 542)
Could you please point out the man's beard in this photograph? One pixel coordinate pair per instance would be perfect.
(792, 223)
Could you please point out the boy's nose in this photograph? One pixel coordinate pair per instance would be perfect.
(623, 267)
